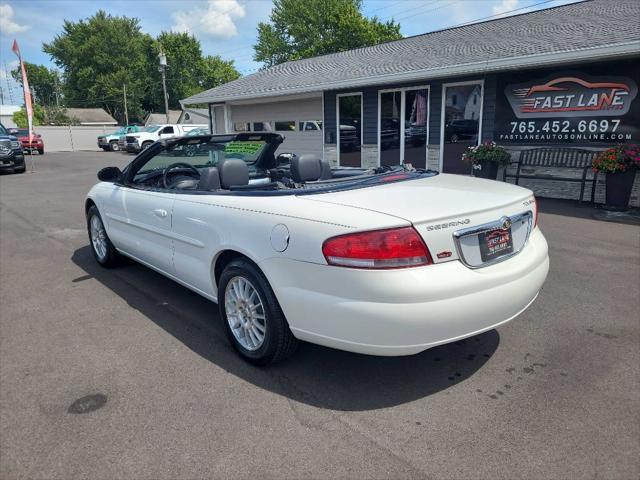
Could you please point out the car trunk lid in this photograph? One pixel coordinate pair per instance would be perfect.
(454, 214)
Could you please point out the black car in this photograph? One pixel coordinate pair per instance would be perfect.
(11, 156)
(460, 130)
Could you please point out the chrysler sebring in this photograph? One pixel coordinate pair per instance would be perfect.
(381, 261)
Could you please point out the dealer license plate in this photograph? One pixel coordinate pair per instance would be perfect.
(495, 243)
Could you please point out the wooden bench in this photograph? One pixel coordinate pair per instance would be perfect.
(571, 158)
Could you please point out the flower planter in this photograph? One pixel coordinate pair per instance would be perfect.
(488, 170)
(618, 189)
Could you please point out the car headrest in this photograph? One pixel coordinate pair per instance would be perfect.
(326, 170)
(305, 168)
(209, 179)
(233, 171)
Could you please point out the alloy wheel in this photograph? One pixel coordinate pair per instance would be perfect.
(245, 313)
(98, 238)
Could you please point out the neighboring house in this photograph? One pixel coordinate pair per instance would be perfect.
(6, 115)
(91, 116)
(161, 118)
(483, 75)
(194, 116)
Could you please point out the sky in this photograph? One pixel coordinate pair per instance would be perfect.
(224, 27)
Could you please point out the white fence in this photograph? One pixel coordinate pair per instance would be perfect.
(72, 139)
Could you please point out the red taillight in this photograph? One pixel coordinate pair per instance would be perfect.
(394, 248)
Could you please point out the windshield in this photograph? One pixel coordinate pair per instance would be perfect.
(3, 131)
(204, 152)
(151, 128)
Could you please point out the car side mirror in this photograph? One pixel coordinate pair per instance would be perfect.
(110, 174)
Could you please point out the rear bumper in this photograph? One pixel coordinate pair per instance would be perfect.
(402, 312)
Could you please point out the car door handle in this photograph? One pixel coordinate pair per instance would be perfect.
(160, 212)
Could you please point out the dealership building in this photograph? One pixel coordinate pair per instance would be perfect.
(560, 77)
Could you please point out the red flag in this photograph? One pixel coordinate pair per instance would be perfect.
(27, 93)
(15, 48)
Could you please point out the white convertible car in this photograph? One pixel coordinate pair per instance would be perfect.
(387, 261)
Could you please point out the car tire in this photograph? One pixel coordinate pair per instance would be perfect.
(20, 170)
(41, 151)
(113, 146)
(189, 150)
(244, 306)
(103, 250)
(146, 144)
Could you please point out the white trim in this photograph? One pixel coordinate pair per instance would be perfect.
(590, 54)
(403, 97)
(324, 126)
(227, 118)
(442, 114)
(281, 98)
(350, 94)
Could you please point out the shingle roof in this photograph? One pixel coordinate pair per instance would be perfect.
(574, 31)
(160, 118)
(91, 115)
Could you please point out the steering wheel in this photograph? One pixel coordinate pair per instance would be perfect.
(184, 169)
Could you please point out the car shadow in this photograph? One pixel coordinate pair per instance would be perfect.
(315, 375)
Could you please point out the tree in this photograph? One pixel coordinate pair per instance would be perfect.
(188, 72)
(50, 115)
(100, 55)
(20, 117)
(44, 82)
(303, 29)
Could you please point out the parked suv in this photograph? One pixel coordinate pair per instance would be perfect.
(137, 142)
(11, 155)
(110, 142)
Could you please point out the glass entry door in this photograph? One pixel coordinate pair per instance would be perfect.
(217, 119)
(403, 127)
(349, 130)
(461, 116)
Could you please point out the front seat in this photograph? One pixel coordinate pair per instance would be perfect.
(306, 168)
(233, 172)
(209, 179)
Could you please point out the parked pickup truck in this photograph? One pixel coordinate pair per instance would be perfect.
(138, 141)
(110, 142)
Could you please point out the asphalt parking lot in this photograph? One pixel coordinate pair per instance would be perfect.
(553, 394)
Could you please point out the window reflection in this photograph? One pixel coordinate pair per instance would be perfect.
(461, 124)
(350, 121)
(415, 127)
(390, 128)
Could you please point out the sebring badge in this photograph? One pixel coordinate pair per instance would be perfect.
(441, 226)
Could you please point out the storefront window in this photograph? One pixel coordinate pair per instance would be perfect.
(349, 130)
(403, 127)
(461, 118)
(415, 127)
(390, 106)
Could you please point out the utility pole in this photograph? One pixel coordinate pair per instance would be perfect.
(57, 93)
(126, 114)
(162, 68)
